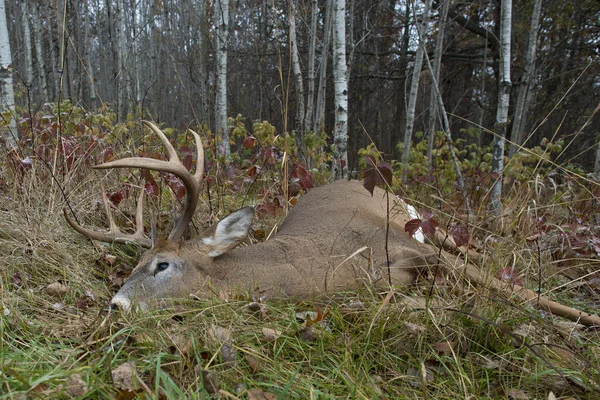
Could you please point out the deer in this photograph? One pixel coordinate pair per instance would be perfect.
(335, 238)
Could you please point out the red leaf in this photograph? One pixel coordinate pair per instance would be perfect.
(253, 170)
(265, 209)
(509, 275)
(429, 226)
(187, 161)
(116, 197)
(412, 226)
(249, 142)
(306, 182)
(370, 160)
(460, 234)
(370, 179)
(151, 187)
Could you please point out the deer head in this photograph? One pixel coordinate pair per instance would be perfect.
(172, 267)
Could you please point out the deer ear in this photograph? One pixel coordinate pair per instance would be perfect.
(228, 232)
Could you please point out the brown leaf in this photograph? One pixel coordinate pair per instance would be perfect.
(123, 377)
(271, 334)
(225, 337)
(307, 334)
(210, 381)
(56, 289)
(517, 394)
(76, 386)
(413, 329)
(443, 347)
(259, 394)
(253, 362)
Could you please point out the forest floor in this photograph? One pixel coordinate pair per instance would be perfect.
(439, 339)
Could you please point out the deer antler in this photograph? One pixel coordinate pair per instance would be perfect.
(114, 234)
(174, 166)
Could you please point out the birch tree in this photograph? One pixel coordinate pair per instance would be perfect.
(414, 89)
(27, 41)
(322, 88)
(7, 97)
(221, 35)
(310, 98)
(504, 85)
(522, 107)
(298, 81)
(437, 64)
(340, 76)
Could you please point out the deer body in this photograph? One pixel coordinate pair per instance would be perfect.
(333, 239)
(308, 257)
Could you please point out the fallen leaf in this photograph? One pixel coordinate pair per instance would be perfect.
(225, 338)
(56, 289)
(517, 394)
(271, 334)
(123, 377)
(259, 394)
(443, 347)
(76, 386)
(413, 329)
(259, 309)
(210, 381)
(253, 362)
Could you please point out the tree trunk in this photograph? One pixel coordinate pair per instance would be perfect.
(221, 34)
(7, 97)
(522, 107)
(203, 60)
(119, 35)
(40, 63)
(298, 81)
(310, 98)
(340, 135)
(90, 82)
(414, 89)
(437, 64)
(504, 86)
(27, 41)
(54, 64)
(319, 120)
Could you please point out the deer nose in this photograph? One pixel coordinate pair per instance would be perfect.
(114, 307)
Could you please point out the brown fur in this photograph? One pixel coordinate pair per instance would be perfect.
(306, 258)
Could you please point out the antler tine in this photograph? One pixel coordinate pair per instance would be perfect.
(114, 234)
(174, 166)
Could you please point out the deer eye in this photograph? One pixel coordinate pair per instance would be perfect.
(161, 267)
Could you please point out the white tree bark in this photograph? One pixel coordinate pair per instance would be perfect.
(7, 97)
(298, 81)
(522, 107)
(221, 35)
(437, 64)
(414, 89)
(504, 86)
(322, 92)
(340, 76)
(27, 41)
(310, 98)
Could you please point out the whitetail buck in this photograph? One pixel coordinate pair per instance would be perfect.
(333, 239)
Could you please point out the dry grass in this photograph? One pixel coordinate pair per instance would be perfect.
(464, 343)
